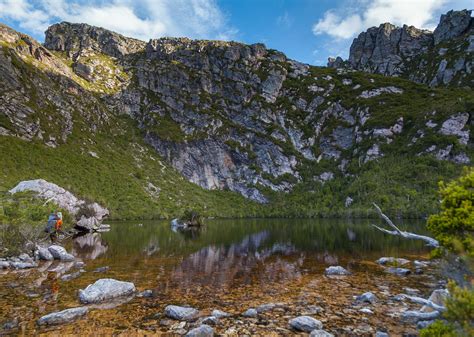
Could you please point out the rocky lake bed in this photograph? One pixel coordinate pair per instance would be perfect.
(231, 277)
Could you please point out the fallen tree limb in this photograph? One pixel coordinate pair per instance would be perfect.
(420, 316)
(407, 235)
(428, 303)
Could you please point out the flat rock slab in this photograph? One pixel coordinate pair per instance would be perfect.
(201, 331)
(219, 313)
(180, 313)
(336, 270)
(305, 323)
(62, 317)
(104, 290)
(320, 333)
(392, 261)
(60, 253)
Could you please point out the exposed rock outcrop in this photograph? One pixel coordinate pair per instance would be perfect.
(442, 57)
(65, 199)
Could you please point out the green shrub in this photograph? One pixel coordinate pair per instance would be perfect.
(453, 227)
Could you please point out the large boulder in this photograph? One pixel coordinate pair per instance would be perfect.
(61, 197)
(180, 313)
(62, 317)
(44, 254)
(60, 253)
(305, 323)
(104, 290)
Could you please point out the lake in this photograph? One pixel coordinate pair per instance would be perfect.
(231, 265)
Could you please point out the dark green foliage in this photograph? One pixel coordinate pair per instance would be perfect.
(453, 227)
(191, 218)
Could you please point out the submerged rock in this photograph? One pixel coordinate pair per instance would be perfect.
(101, 269)
(210, 320)
(320, 333)
(23, 265)
(180, 313)
(62, 317)
(392, 261)
(305, 323)
(398, 271)
(201, 331)
(69, 277)
(60, 253)
(219, 313)
(146, 293)
(251, 313)
(368, 297)
(4, 264)
(105, 289)
(336, 270)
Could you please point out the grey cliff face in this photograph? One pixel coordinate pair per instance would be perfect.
(420, 55)
(452, 25)
(71, 37)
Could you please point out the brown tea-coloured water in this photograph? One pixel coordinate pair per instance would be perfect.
(231, 265)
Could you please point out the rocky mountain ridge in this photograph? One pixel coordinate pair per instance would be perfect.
(228, 116)
(442, 57)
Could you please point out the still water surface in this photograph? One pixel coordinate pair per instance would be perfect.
(228, 264)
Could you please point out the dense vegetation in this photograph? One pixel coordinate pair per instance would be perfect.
(453, 226)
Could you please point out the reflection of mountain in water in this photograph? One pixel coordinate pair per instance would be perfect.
(89, 246)
(243, 262)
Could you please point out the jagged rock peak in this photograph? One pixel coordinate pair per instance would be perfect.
(417, 54)
(77, 37)
(232, 50)
(380, 49)
(453, 24)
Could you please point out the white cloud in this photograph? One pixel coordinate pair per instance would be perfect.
(142, 19)
(285, 20)
(358, 15)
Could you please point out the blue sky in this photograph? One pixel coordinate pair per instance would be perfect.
(305, 30)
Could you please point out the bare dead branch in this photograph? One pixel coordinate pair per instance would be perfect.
(428, 303)
(407, 235)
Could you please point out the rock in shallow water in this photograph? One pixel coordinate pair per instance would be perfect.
(201, 331)
(62, 317)
(44, 254)
(320, 333)
(180, 313)
(305, 323)
(398, 271)
(392, 261)
(367, 297)
(251, 313)
(105, 289)
(219, 313)
(60, 253)
(336, 270)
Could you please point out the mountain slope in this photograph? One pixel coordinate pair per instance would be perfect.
(296, 139)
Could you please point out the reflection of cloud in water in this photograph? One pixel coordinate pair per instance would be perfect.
(241, 262)
(89, 246)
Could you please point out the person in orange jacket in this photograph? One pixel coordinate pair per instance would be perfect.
(59, 222)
